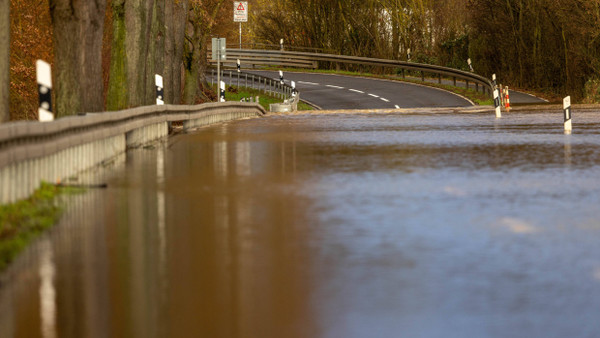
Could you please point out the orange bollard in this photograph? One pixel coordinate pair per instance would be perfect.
(507, 99)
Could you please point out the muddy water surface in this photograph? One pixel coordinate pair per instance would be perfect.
(412, 225)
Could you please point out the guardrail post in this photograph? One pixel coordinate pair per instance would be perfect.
(440, 78)
(476, 87)
(246, 75)
(422, 76)
(454, 78)
(212, 77)
(467, 84)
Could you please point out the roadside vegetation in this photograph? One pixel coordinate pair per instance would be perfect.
(23, 221)
(540, 46)
(233, 93)
(543, 46)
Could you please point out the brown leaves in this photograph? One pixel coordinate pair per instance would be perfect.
(31, 39)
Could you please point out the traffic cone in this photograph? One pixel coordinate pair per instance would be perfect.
(507, 100)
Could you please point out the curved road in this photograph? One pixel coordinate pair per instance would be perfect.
(330, 91)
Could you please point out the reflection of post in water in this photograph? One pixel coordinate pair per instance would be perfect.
(47, 290)
(568, 150)
(220, 159)
(285, 162)
(243, 159)
(161, 294)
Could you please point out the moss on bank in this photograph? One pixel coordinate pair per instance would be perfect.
(23, 221)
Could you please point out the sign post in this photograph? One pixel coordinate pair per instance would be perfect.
(240, 14)
(219, 52)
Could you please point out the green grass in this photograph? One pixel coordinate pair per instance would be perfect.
(23, 221)
(233, 93)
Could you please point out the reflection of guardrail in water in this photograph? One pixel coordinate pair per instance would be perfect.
(32, 152)
(253, 58)
(254, 81)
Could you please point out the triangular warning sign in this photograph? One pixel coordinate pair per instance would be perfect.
(241, 7)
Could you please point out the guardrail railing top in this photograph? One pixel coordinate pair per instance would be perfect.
(292, 58)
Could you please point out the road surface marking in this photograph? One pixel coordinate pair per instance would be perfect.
(375, 96)
(308, 83)
(356, 91)
(384, 100)
(397, 107)
(332, 86)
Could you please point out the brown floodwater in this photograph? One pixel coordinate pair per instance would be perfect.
(341, 225)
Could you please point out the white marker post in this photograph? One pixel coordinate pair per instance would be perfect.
(293, 89)
(160, 93)
(239, 66)
(497, 103)
(44, 80)
(470, 65)
(494, 84)
(281, 77)
(222, 94)
(408, 54)
(567, 109)
(281, 44)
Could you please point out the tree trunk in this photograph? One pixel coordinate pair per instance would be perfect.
(64, 14)
(4, 59)
(169, 51)
(191, 58)
(150, 91)
(138, 21)
(90, 60)
(180, 12)
(118, 95)
(78, 61)
(159, 48)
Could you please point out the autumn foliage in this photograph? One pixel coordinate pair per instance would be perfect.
(31, 39)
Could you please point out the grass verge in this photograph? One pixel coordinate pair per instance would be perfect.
(233, 93)
(23, 221)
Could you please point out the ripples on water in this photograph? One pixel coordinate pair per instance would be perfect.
(429, 225)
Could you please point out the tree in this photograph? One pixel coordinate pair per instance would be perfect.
(201, 18)
(118, 95)
(4, 59)
(78, 27)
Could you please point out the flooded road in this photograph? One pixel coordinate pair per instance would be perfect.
(343, 225)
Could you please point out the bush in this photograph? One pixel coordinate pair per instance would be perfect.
(592, 91)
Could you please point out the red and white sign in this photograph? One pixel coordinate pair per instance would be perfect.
(240, 11)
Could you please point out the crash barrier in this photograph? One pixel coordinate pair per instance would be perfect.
(32, 152)
(252, 58)
(261, 83)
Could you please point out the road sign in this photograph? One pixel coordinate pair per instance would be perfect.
(219, 48)
(240, 11)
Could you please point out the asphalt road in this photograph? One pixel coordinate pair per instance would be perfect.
(329, 91)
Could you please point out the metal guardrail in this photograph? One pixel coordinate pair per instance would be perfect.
(32, 152)
(253, 58)
(255, 81)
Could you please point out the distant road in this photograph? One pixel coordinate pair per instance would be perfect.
(348, 92)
